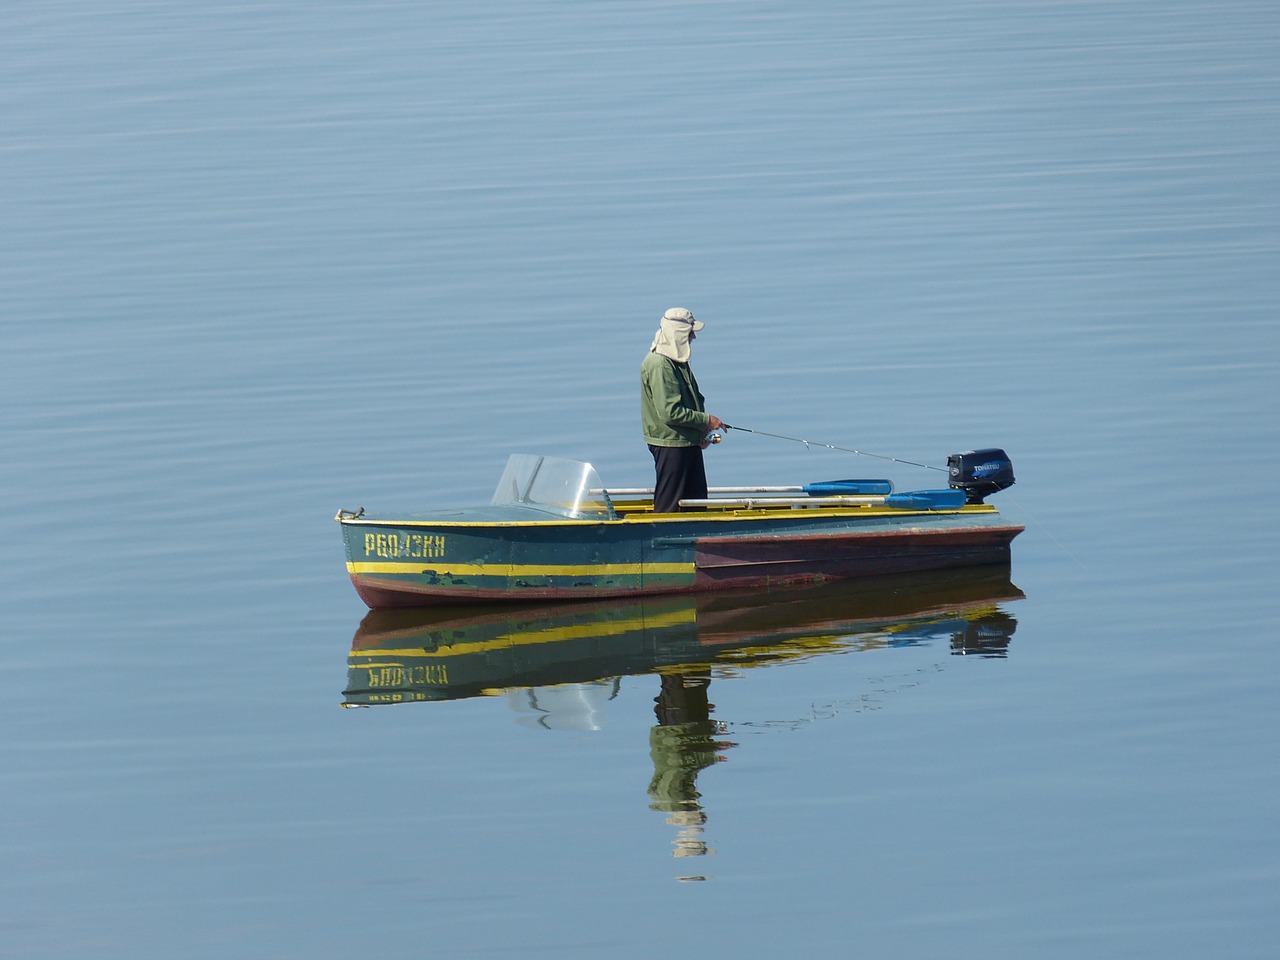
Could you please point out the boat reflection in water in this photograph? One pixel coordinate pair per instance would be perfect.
(559, 665)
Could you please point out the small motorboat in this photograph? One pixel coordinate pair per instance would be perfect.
(554, 531)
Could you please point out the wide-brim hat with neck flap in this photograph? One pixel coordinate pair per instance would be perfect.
(674, 330)
(682, 315)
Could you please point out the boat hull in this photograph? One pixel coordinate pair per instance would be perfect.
(426, 562)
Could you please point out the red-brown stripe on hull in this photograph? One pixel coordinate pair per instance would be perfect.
(734, 561)
(390, 593)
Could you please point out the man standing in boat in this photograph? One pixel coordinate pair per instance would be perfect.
(675, 421)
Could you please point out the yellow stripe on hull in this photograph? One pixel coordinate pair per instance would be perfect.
(524, 570)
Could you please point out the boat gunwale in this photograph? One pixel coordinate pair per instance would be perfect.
(712, 515)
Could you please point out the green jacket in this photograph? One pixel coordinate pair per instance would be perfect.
(671, 406)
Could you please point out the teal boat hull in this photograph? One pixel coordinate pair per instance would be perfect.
(508, 553)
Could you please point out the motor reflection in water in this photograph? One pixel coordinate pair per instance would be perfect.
(559, 666)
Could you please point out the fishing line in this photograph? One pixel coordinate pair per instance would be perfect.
(832, 446)
(1035, 521)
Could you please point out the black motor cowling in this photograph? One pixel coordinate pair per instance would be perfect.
(980, 473)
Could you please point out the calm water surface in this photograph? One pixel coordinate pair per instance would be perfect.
(259, 263)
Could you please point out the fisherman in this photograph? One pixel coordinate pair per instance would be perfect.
(676, 425)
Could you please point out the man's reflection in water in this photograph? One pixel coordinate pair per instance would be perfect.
(682, 744)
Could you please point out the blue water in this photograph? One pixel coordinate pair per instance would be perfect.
(262, 262)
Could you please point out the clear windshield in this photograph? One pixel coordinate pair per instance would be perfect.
(567, 488)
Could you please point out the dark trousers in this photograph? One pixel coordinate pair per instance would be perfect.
(680, 476)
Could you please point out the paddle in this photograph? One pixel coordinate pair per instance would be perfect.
(831, 488)
(915, 500)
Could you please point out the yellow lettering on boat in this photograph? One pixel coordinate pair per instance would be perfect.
(424, 546)
(397, 697)
(419, 546)
(397, 675)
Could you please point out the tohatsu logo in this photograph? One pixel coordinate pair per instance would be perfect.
(993, 467)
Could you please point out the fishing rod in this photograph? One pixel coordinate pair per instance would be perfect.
(831, 446)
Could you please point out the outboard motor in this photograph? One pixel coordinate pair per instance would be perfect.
(980, 473)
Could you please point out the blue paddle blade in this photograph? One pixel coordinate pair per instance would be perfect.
(927, 500)
(838, 488)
